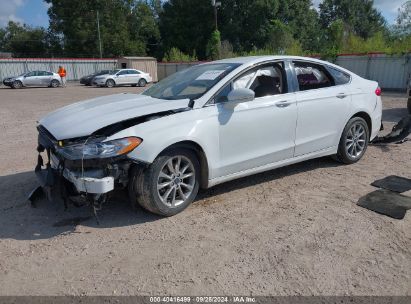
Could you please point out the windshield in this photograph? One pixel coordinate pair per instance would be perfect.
(103, 72)
(114, 72)
(191, 83)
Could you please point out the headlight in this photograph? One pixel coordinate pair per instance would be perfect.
(99, 149)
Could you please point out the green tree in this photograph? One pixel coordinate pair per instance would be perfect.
(76, 22)
(402, 26)
(175, 55)
(303, 21)
(214, 46)
(187, 25)
(24, 41)
(246, 24)
(361, 16)
(144, 27)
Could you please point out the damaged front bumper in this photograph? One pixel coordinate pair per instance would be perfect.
(88, 183)
(77, 181)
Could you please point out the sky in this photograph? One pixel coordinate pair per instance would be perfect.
(34, 12)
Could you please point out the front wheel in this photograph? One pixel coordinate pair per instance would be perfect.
(354, 141)
(168, 185)
(110, 83)
(17, 84)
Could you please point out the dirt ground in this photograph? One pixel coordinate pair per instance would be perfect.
(290, 231)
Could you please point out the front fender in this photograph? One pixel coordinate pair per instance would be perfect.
(161, 133)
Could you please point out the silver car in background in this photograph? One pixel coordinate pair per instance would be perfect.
(123, 77)
(33, 79)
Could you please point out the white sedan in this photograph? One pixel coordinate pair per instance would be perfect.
(206, 125)
(123, 77)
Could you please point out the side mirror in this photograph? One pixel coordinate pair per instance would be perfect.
(237, 96)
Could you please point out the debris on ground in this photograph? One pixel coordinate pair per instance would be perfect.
(398, 134)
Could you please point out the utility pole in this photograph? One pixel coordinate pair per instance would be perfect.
(99, 35)
(215, 4)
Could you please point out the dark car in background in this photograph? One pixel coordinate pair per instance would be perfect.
(88, 79)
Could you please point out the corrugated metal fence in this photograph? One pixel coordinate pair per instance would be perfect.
(76, 68)
(391, 72)
(165, 69)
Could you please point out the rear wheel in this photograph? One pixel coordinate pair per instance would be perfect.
(17, 84)
(54, 83)
(142, 82)
(110, 83)
(354, 141)
(168, 185)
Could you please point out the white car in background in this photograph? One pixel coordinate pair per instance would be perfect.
(206, 125)
(33, 79)
(123, 77)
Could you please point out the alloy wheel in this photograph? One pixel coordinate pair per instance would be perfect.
(176, 181)
(356, 140)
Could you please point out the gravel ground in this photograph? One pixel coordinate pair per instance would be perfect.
(291, 231)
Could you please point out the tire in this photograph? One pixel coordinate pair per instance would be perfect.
(142, 82)
(146, 186)
(352, 147)
(17, 84)
(55, 83)
(110, 83)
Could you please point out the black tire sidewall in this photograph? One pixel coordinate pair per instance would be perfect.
(18, 86)
(142, 82)
(112, 83)
(149, 184)
(342, 153)
(54, 81)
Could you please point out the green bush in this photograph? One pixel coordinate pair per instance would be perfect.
(175, 55)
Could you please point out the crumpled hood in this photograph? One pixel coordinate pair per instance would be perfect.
(83, 118)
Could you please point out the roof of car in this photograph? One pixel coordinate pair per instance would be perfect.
(255, 59)
(250, 60)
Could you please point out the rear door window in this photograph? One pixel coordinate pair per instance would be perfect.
(312, 76)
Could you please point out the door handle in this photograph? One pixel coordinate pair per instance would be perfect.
(282, 104)
(341, 95)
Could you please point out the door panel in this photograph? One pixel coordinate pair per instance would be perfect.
(122, 77)
(321, 118)
(256, 133)
(30, 79)
(44, 78)
(134, 77)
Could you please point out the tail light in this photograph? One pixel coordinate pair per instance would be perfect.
(378, 91)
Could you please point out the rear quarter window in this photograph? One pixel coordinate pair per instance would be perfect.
(339, 76)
